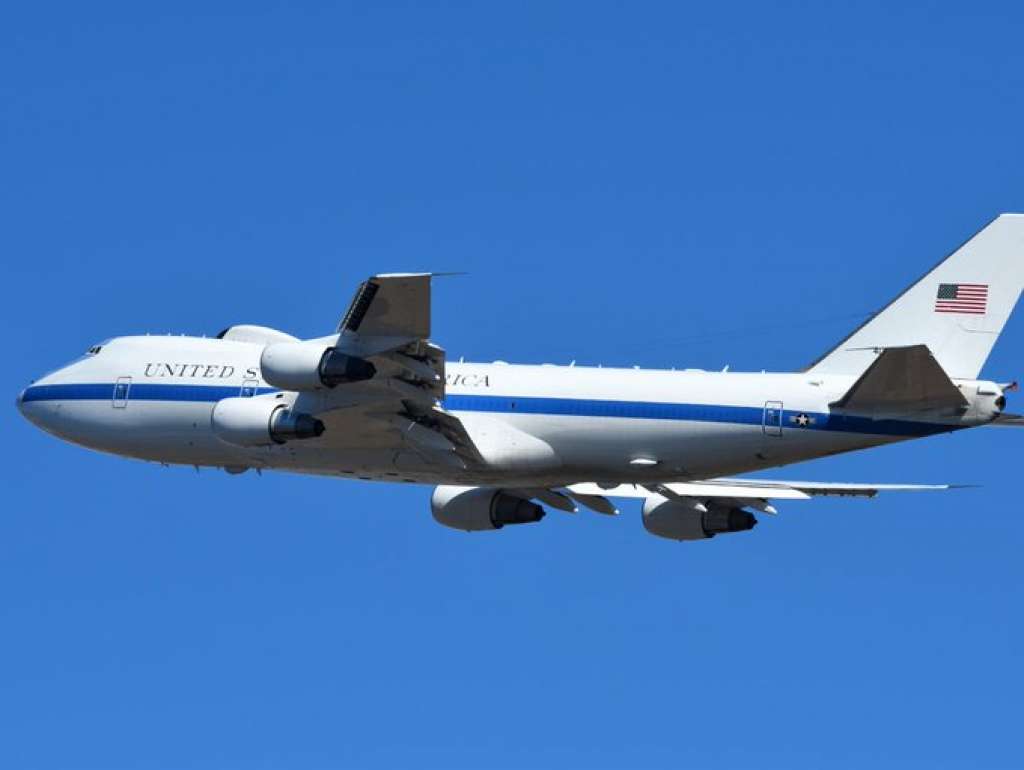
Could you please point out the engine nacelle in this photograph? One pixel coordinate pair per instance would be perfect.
(690, 520)
(480, 508)
(311, 365)
(260, 421)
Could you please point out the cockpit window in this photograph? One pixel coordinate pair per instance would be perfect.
(94, 350)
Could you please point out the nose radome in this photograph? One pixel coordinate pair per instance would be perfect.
(24, 404)
(39, 402)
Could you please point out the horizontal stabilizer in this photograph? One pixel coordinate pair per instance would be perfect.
(902, 381)
(1009, 420)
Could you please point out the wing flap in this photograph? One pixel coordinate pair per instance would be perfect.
(595, 503)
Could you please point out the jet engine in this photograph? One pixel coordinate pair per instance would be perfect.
(480, 508)
(311, 365)
(261, 421)
(688, 519)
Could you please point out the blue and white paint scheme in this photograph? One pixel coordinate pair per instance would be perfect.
(378, 400)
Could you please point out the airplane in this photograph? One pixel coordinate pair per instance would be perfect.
(501, 443)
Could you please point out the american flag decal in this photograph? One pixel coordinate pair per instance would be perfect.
(969, 298)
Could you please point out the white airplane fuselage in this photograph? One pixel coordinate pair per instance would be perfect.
(153, 398)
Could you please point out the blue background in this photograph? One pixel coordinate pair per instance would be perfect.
(651, 184)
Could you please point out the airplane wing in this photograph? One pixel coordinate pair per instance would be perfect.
(390, 305)
(388, 324)
(741, 493)
(839, 489)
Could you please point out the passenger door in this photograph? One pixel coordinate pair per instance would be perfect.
(122, 388)
(248, 388)
(771, 423)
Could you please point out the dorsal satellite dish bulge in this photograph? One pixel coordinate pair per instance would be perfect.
(504, 444)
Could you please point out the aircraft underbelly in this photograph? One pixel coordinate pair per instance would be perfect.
(586, 447)
(176, 432)
(626, 447)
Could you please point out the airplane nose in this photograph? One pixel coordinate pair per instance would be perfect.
(25, 408)
(44, 414)
(28, 404)
(42, 404)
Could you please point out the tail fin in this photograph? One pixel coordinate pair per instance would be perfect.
(957, 310)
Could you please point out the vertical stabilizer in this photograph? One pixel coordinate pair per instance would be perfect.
(957, 310)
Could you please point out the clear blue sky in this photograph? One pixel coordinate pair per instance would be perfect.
(652, 184)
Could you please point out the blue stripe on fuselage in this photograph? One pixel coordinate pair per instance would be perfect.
(142, 391)
(645, 410)
(578, 407)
